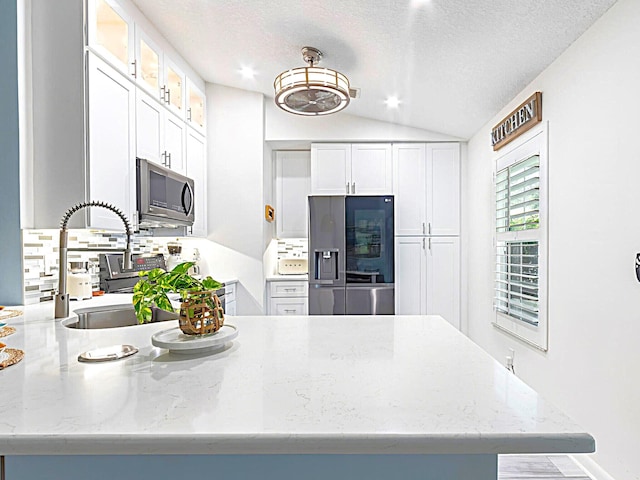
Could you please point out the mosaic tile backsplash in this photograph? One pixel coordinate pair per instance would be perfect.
(40, 251)
(293, 247)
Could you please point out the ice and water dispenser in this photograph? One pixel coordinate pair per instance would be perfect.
(326, 264)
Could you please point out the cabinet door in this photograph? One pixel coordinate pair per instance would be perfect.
(443, 188)
(110, 34)
(230, 308)
(149, 128)
(174, 139)
(289, 306)
(195, 107)
(330, 163)
(410, 189)
(411, 276)
(148, 64)
(292, 189)
(443, 278)
(174, 87)
(197, 169)
(111, 147)
(371, 169)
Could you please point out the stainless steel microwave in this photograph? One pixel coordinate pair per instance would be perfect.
(164, 198)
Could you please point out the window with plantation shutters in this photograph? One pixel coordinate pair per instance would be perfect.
(520, 241)
(518, 196)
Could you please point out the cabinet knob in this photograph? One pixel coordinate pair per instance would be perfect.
(353, 187)
(347, 188)
(135, 70)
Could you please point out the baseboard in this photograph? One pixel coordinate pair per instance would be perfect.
(595, 471)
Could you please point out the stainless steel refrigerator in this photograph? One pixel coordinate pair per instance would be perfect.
(351, 255)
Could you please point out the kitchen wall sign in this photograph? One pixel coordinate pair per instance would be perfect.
(518, 121)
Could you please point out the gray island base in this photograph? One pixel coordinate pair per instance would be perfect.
(264, 467)
(389, 397)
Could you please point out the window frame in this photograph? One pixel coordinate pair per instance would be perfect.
(534, 142)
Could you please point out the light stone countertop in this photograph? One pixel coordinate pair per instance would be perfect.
(397, 384)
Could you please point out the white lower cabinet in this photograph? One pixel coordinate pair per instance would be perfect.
(428, 277)
(285, 297)
(230, 298)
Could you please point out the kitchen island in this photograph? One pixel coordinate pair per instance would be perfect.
(291, 397)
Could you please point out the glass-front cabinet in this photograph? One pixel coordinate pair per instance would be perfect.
(148, 64)
(111, 33)
(195, 107)
(173, 88)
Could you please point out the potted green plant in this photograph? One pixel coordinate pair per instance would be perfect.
(154, 286)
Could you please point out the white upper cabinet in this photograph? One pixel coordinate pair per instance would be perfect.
(196, 162)
(195, 107)
(173, 88)
(160, 135)
(114, 36)
(346, 169)
(427, 188)
(174, 144)
(443, 188)
(329, 165)
(120, 99)
(292, 189)
(371, 169)
(149, 128)
(148, 64)
(111, 119)
(111, 34)
(410, 188)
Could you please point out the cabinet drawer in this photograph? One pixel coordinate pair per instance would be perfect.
(289, 289)
(289, 306)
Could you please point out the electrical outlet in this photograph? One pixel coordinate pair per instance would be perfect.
(509, 361)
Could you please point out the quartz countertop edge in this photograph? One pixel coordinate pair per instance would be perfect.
(286, 444)
(285, 385)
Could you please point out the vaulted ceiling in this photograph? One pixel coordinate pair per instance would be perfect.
(453, 64)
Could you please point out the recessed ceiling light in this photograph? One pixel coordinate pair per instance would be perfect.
(247, 73)
(392, 102)
(419, 3)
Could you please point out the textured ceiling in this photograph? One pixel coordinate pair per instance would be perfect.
(453, 63)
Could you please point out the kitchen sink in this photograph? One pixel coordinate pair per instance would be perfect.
(112, 316)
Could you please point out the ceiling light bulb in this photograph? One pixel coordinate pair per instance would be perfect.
(392, 102)
(247, 72)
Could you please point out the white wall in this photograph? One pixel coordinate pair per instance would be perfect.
(283, 126)
(592, 367)
(235, 163)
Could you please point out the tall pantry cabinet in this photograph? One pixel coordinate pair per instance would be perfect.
(427, 227)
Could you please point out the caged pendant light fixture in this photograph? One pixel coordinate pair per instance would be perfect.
(311, 90)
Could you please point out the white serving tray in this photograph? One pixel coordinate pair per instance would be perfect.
(177, 342)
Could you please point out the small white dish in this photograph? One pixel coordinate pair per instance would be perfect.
(177, 342)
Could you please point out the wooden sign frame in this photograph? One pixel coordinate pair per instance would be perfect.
(525, 116)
